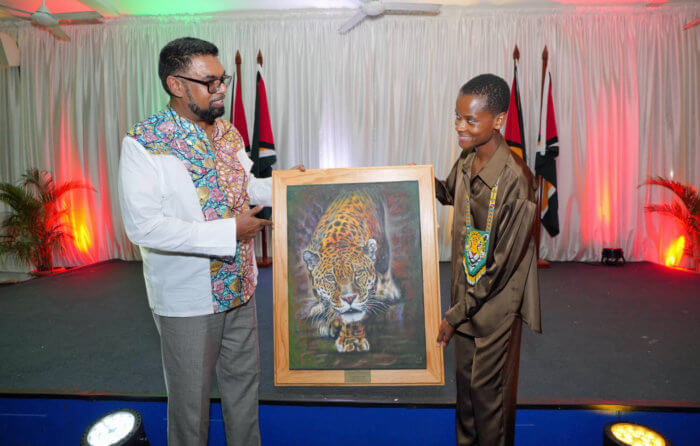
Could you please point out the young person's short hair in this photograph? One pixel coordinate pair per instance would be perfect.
(493, 87)
(176, 56)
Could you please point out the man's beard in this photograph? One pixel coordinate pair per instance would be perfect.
(207, 115)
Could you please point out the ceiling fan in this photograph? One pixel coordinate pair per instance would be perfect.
(43, 17)
(374, 8)
(659, 3)
(695, 22)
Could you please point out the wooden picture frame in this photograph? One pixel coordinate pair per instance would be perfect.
(356, 277)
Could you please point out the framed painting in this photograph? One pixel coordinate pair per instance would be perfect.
(356, 287)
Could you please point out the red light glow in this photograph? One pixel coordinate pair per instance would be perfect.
(81, 236)
(83, 218)
(608, 2)
(675, 252)
(604, 204)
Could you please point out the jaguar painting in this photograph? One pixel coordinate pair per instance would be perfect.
(348, 260)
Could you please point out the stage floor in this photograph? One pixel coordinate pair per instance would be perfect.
(612, 335)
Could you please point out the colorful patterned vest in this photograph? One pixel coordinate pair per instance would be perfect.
(221, 183)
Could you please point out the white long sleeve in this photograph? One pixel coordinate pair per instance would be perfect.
(259, 189)
(160, 207)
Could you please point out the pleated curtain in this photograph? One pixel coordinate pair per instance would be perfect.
(624, 84)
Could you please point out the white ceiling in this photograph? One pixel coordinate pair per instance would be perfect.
(146, 7)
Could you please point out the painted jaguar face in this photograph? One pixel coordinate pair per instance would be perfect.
(343, 277)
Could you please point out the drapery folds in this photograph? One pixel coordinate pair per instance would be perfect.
(627, 104)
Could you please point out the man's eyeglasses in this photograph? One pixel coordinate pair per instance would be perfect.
(212, 85)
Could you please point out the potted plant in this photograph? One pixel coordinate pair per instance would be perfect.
(686, 210)
(34, 228)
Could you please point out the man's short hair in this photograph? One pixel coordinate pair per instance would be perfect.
(493, 87)
(176, 56)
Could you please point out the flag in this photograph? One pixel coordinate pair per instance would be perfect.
(545, 164)
(515, 136)
(238, 114)
(262, 150)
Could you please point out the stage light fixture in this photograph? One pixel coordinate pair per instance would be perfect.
(618, 433)
(612, 257)
(121, 427)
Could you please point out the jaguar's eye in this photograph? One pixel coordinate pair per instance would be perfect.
(361, 276)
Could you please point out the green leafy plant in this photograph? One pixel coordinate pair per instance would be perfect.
(34, 229)
(685, 209)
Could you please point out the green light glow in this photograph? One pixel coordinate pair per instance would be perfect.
(164, 7)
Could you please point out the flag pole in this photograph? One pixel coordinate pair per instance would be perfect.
(238, 79)
(238, 65)
(514, 134)
(265, 261)
(545, 57)
(540, 181)
(237, 110)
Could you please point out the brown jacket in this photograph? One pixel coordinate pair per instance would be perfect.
(510, 284)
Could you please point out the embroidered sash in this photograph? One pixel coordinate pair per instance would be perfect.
(221, 184)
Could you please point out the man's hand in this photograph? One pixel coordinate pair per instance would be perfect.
(247, 225)
(445, 333)
(299, 167)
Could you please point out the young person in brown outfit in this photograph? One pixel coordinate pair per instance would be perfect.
(494, 264)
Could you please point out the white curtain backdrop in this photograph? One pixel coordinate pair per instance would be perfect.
(624, 84)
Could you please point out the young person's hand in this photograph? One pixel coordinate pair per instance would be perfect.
(247, 225)
(445, 333)
(299, 167)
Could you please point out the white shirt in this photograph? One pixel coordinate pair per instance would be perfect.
(162, 215)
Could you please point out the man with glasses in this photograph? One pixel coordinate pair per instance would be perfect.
(185, 187)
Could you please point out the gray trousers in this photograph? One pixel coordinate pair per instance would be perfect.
(192, 348)
(487, 385)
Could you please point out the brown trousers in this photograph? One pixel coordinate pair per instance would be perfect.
(487, 385)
